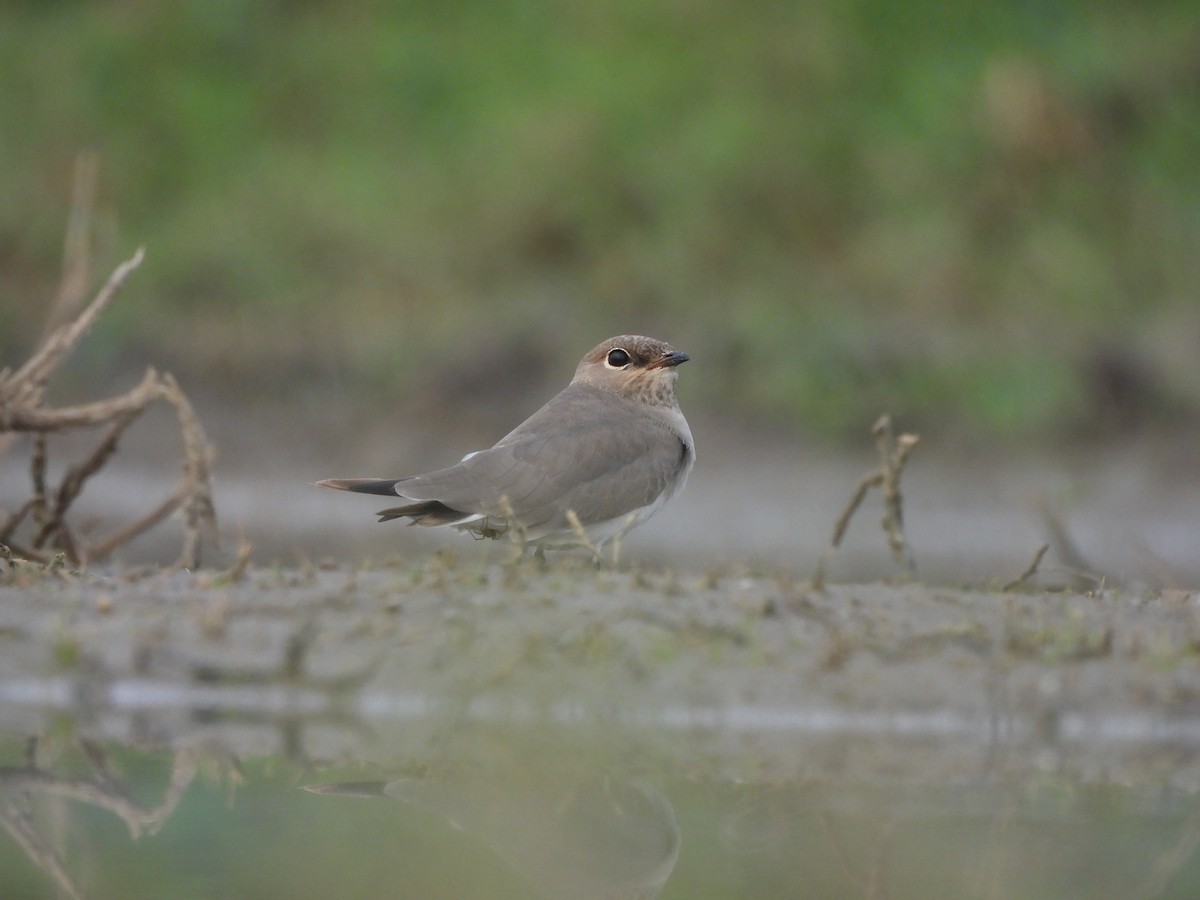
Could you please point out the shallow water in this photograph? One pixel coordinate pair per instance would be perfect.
(513, 732)
(499, 812)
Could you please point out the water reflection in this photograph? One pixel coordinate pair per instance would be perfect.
(538, 813)
(569, 835)
(48, 775)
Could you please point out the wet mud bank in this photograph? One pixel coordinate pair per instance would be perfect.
(757, 667)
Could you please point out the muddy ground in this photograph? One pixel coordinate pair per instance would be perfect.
(1098, 677)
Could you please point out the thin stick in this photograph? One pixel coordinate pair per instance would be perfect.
(30, 380)
(200, 515)
(580, 533)
(630, 521)
(86, 415)
(37, 470)
(1030, 570)
(78, 475)
(870, 480)
(513, 527)
(891, 462)
(893, 454)
(124, 535)
(516, 535)
(11, 523)
(21, 409)
(20, 826)
(1066, 550)
(22, 553)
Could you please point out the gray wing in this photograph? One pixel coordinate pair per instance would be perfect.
(585, 450)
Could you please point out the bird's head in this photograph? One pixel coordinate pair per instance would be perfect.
(633, 366)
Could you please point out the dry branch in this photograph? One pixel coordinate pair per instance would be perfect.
(23, 410)
(1030, 570)
(24, 389)
(893, 455)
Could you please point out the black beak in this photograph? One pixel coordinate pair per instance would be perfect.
(674, 358)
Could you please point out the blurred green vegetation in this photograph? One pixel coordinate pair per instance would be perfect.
(982, 217)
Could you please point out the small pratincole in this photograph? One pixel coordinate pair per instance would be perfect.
(603, 455)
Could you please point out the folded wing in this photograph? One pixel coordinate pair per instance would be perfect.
(581, 452)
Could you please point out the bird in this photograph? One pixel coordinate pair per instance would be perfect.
(600, 457)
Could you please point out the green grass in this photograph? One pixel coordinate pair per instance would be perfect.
(837, 208)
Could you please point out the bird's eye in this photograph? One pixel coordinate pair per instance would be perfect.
(618, 358)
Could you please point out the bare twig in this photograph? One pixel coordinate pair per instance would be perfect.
(76, 266)
(20, 825)
(1083, 572)
(22, 410)
(893, 455)
(581, 534)
(15, 553)
(517, 536)
(86, 415)
(124, 535)
(1030, 570)
(11, 522)
(514, 529)
(199, 513)
(76, 477)
(25, 387)
(241, 563)
(870, 480)
(626, 526)
(37, 472)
